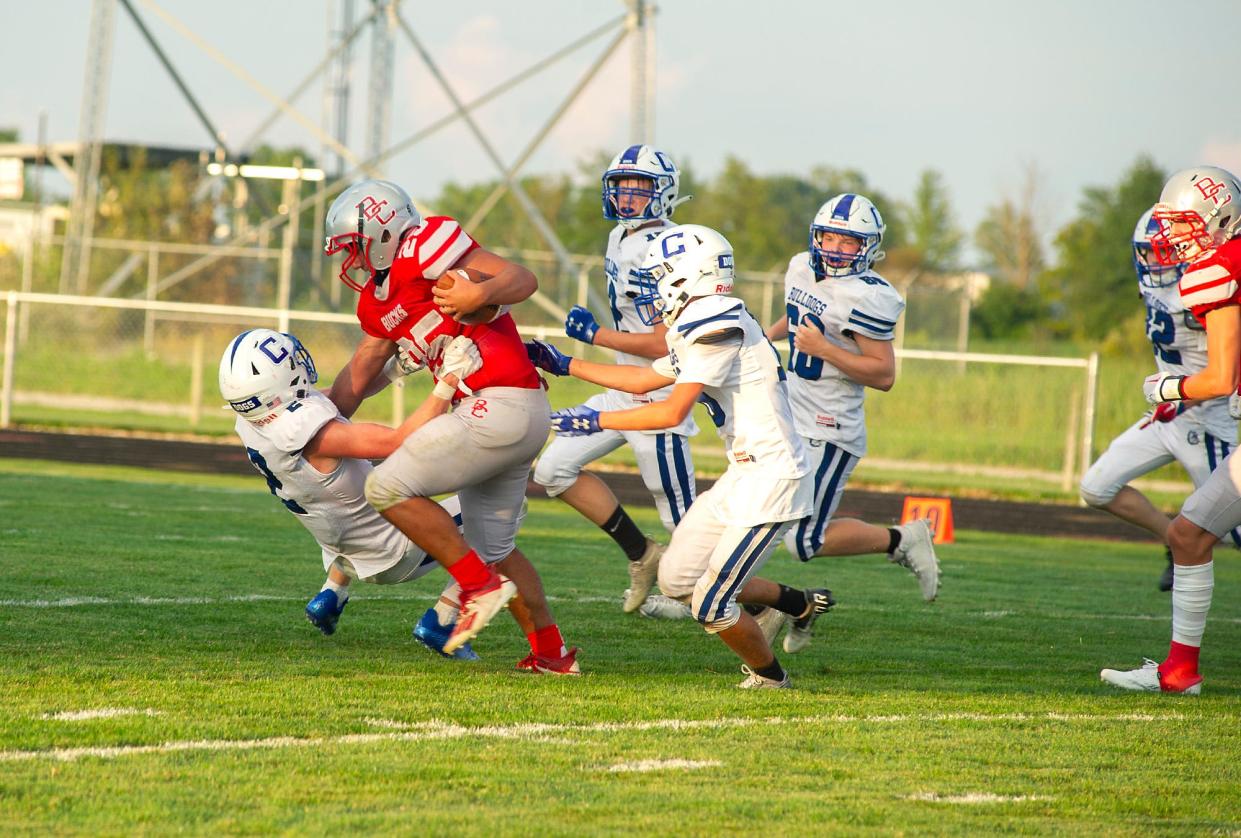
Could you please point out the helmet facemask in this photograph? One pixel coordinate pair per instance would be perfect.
(1182, 236)
(356, 270)
(829, 262)
(631, 206)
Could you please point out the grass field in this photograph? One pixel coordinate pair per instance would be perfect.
(159, 677)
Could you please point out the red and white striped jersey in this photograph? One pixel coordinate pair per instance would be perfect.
(400, 308)
(1213, 282)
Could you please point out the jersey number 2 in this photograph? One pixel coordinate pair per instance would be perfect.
(273, 482)
(1161, 330)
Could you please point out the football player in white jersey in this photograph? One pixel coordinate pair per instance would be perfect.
(316, 463)
(840, 321)
(639, 194)
(717, 355)
(1198, 435)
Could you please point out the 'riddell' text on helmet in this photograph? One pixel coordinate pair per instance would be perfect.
(366, 222)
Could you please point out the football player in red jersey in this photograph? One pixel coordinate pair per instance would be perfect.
(483, 448)
(1199, 213)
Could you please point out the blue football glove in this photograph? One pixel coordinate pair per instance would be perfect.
(581, 325)
(547, 357)
(576, 421)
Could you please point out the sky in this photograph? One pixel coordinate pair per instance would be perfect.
(979, 90)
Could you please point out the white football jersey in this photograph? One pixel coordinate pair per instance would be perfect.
(332, 507)
(621, 262)
(1180, 345)
(746, 393)
(827, 405)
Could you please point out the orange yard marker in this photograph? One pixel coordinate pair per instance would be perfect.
(936, 510)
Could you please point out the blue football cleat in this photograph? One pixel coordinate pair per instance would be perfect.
(431, 634)
(323, 611)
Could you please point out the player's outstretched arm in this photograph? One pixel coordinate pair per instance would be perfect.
(580, 324)
(629, 378)
(356, 381)
(650, 417)
(875, 367)
(508, 283)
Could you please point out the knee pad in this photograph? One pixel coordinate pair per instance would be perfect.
(382, 492)
(555, 478)
(1096, 496)
(709, 622)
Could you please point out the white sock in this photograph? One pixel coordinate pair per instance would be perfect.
(1192, 586)
(449, 604)
(342, 591)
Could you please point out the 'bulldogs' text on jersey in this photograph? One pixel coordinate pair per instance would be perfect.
(826, 404)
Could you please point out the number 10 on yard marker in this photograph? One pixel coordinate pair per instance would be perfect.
(938, 511)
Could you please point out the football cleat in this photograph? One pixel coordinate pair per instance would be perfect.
(1165, 580)
(431, 634)
(642, 576)
(526, 664)
(324, 610)
(917, 552)
(660, 607)
(800, 630)
(477, 609)
(1148, 679)
(754, 681)
(537, 664)
(770, 621)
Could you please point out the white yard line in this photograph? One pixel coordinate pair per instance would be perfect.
(546, 732)
(975, 797)
(97, 713)
(663, 765)
(364, 594)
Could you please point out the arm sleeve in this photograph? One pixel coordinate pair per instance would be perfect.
(440, 244)
(708, 364)
(874, 315)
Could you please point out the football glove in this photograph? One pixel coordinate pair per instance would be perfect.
(1234, 405)
(1164, 387)
(460, 358)
(581, 325)
(1165, 412)
(576, 421)
(547, 357)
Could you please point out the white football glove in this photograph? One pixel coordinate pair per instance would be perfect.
(459, 358)
(1164, 387)
(1234, 405)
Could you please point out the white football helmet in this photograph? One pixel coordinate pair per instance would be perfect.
(366, 221)
(264, 371)
(1151, 273)
(681, 264)
(853, 215)
(1198, 210)
(632, 207)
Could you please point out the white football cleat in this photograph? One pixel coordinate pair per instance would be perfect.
(917, 552)
(754, 681)
(660, 607)
(642, 576)
(1146, 679)
(477, 609)
(770, 621)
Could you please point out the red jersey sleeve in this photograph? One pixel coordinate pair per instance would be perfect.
(434, 247)
(1212, 282)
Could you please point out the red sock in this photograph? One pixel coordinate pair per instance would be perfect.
(548, 643)
(470, 572)
(533, 639)
(1181, 663)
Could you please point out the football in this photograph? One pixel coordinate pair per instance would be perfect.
(449, 278)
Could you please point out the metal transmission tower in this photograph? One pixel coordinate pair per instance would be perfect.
(341, 72)
(75, 262)
(640, 25)
(379, 90)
